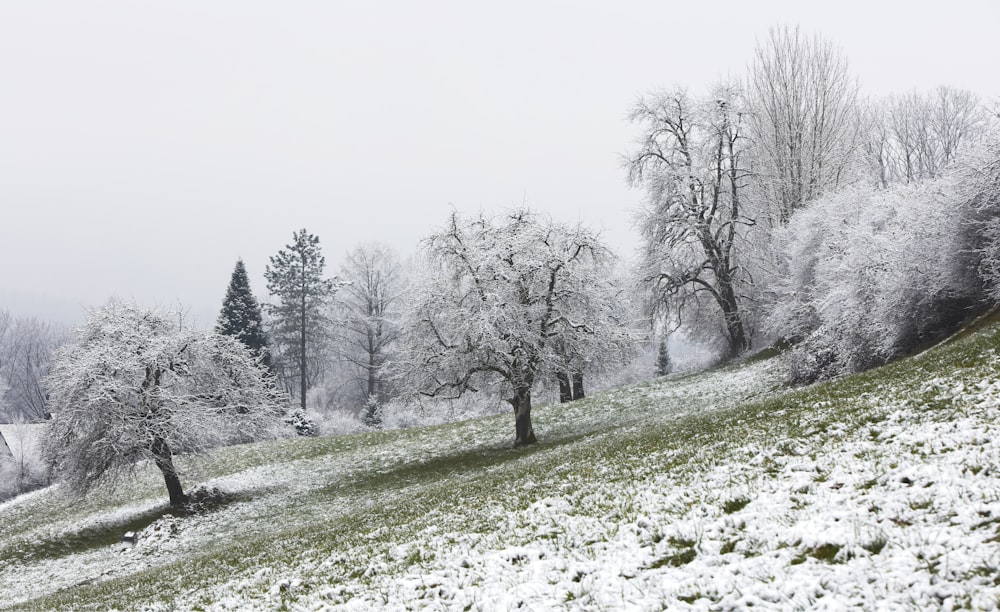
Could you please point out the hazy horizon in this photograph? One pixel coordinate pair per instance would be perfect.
(147, 147)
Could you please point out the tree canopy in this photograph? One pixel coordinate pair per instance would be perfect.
(241, 316)
(503, 301)
(134, 385)
(295, 276)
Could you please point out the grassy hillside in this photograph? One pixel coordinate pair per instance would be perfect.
(714, 490)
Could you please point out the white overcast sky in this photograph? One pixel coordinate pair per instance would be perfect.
(145, 146)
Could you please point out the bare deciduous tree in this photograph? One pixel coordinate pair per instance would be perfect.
(26, 348)
(804, 118)
(367, 304)
(502, 301)
(691, 162)
(916, 136)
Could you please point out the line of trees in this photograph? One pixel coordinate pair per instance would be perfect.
(783, 206)
(548, 312)
(778, 207)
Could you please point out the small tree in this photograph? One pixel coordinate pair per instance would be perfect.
(663, 359)
(241, 317)
(133, 386)
(372, 414)
(295, 276)
(503, 301)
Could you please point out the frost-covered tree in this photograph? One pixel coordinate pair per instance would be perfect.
(26, 349)
(502, 300)
(872, 275)
(295, 277)
(241, 315)
(979, 176)
(804, 119)
(691, 162)
(367, 331)
(134, 386)
(917, 136)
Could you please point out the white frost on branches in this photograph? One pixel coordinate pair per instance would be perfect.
(134, 386)
(507, 301)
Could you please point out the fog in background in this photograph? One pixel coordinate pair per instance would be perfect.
(144, 147)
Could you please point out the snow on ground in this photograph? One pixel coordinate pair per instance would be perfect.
(895, 505)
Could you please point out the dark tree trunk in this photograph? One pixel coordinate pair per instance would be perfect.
(302, 346)
(525, 434)
(578, 385)
(738, 342)
(164, 461)
(565, 389)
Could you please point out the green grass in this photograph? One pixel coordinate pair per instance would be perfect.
(360, 499)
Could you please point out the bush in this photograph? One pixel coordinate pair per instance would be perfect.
(871, 275)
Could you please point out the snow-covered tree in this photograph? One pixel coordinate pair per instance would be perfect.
(366, 307)
(691, 162)
(804, 118)
(295, 277)
(26, 348)
(135, 386)
(241, 316)
(872, 275)
(979, 176)
(501, 302)
(917, 136)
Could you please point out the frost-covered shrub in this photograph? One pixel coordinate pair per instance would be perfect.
(302, 424)
(870, 275)
(337, 422)
(980, 176)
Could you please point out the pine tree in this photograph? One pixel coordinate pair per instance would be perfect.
(663, 359)
(241, 317)
(295, 276)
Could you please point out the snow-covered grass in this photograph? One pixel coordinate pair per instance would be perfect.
(719, 490)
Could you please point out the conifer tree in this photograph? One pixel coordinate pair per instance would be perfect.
(295, 276)
(662, 359)
(241, 317)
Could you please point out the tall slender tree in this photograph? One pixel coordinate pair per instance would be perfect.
(295, 277)
(241, 317)
(804, 118)
(367, 332)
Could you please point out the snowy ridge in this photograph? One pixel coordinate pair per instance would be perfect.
(711, 491)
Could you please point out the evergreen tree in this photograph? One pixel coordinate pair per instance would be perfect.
(241, 317)
(663, 359)
(371, 416)
(295, 276)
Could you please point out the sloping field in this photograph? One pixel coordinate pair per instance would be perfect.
(713, 491)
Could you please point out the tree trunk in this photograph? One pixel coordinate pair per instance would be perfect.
(302, 345)
(565, 390)
(164, 461)
(522, 417)
(578, 385)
